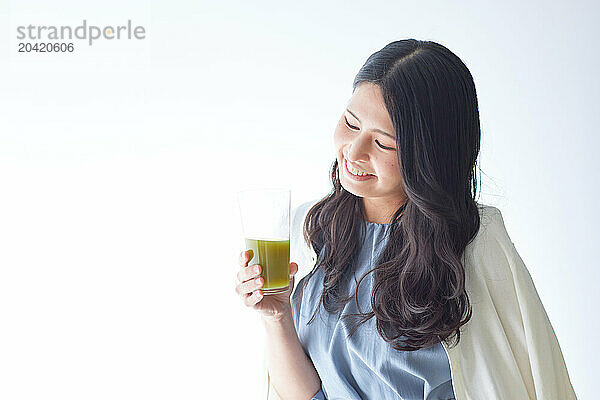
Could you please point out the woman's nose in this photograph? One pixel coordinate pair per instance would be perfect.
(358, 149)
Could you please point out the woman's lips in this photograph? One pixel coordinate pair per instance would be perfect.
(356, 177)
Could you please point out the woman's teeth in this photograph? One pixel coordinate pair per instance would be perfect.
(355, 171)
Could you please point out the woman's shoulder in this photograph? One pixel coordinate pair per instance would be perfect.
(491, 245)
(489, 214)
(491, 224)
(491, 249)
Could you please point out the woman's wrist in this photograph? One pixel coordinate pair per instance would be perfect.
(281, 318)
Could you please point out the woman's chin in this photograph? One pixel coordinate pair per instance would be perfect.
(348, 187)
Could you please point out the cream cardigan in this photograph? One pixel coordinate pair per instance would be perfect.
(508, 350)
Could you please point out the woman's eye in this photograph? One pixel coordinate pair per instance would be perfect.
(384, 147)
(349, 126)
(376, 141)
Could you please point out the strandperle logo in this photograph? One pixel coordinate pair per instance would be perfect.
(87, 32)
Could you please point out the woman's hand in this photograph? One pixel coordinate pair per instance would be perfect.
(273, 307)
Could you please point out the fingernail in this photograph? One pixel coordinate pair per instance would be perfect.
(256, 269)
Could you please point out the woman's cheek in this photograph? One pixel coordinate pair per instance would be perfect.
(338, 137)
(337, 140)
(391, 169)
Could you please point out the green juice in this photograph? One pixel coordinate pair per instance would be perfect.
(274, 258)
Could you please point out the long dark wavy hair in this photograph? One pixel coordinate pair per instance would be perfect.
(419, 296)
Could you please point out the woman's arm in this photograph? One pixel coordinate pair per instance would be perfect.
(293, 374)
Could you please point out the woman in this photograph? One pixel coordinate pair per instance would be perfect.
(403, 261)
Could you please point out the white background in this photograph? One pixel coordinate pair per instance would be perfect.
(119, 162)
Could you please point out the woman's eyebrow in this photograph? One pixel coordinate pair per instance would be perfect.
(375, 129)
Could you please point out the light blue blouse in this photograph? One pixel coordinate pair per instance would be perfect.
(365, 366)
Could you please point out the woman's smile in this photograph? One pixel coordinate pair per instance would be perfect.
(354, 176)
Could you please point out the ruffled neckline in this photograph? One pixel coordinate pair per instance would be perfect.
(374, 225)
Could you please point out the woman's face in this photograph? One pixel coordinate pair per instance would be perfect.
(364, 139)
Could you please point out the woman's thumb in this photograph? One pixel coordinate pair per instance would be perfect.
(293, 268)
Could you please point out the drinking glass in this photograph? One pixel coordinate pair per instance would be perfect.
(265, 216)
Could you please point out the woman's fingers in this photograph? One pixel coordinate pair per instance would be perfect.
(249, 286)
(252, 298)
(250, 281)
(248, 272)
(245, 257)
